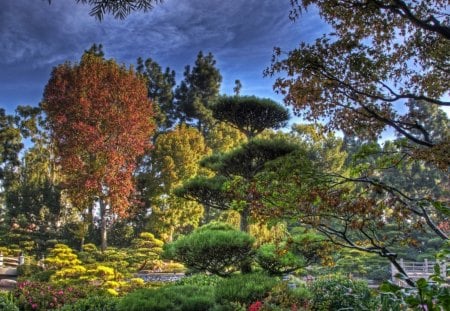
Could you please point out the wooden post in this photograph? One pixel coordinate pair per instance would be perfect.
(425, 266)
(1, 259)
(444, 269)
(393, 273)
(21, 259)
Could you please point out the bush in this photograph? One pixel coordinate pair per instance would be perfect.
(7, 302)
(216, 248)
(199, 279)
(277, 260)
(244, 288)
(337, 292)
(174, 298)
(42, 296)
(28, 270)
(93, 303)
(282, 297)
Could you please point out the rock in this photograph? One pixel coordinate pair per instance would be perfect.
(8, 283)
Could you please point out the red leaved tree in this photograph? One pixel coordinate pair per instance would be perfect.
(101, 120)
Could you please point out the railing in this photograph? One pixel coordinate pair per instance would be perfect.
(8, 265)
(416, 270)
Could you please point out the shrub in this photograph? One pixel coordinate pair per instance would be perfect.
(174, 298)
(281, 297)
(199, 279)
(42, 296)
(337, 292)
(93, 303)
(244, 288)
(277, 260)
(216, 248)
(28, 270)
(7, 302)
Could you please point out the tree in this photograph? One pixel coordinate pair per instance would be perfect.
(249, 114)
(216, 248)
(119, 8)
(160, 90)
(174, 160)
(379, 55)
(100, 120)
(199, 89)
(232, 187)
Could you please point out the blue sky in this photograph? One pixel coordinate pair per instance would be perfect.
(36, 36)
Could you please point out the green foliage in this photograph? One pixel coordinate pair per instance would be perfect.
(249, 114)
(432, 294)
(176, 298)
(7, 302)
(200, 279)
(276, 259)
(145, 250)
(43, 296)
(337, 292)
(27, 270)
(244, 288)
(216, 248)
(93, 303)
(281, 297)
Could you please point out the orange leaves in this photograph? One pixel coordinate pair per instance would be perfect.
(101, 121)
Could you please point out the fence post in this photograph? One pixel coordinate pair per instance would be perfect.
(1, 259)
(21, 259)
(425, 266)
(444, 269)
(393, 273)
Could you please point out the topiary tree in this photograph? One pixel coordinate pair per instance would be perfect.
(249, 114)
(216, 248)
(65, 263)
(144, 249)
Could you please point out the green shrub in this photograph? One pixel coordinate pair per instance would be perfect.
(93, 303)
(7, 302)
(337, 292)
(277, 260)
(199, 279)
(282, 297)
(216, 248)
(174, 298)
(244, 288)
(28, 270)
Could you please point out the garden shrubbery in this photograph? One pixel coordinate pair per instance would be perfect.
(336, 292)
(217, 248)
(176, 298)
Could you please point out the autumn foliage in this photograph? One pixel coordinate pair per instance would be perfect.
(100, 120)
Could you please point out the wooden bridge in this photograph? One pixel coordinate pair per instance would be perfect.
(417, 270)
(8, 266)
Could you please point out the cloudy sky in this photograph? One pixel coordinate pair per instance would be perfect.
(36, 36)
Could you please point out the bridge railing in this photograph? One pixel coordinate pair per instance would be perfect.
(11, 261)
(416, 270)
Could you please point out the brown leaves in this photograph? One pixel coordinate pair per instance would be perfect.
(101, 121)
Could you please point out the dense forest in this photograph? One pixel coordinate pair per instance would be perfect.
(122, 171)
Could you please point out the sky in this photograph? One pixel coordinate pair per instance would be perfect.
(241, 34)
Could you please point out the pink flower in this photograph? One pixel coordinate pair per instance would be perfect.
(60, 292)
(34, 306)
(256, 306)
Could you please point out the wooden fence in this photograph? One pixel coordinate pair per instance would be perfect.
(416, 270)
(8, 265)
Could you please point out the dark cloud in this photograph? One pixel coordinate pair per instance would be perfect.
(241, 34)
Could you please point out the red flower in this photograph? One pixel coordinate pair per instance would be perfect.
(256, 306)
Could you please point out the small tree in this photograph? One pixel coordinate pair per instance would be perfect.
(249, 114)
(216, 248)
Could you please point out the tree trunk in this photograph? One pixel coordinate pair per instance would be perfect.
(103, 233)
(246, 266)
(243, 226)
